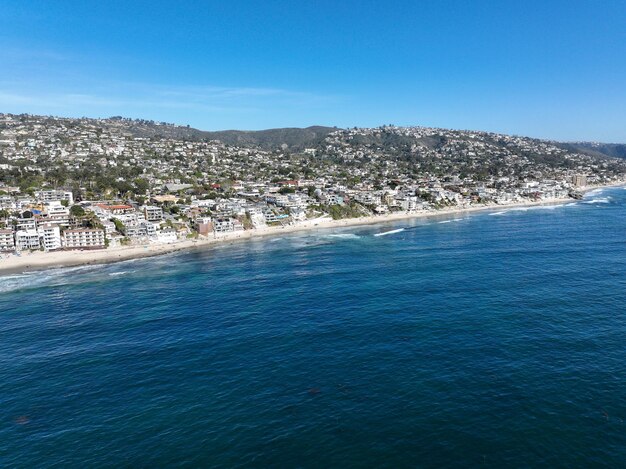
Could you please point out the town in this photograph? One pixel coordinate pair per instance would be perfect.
(80, 184)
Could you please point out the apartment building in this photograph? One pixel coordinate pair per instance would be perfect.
(84, 238)
(153, 213)
(55, 195)
(26, 240)
(7, 242)
(50, 236)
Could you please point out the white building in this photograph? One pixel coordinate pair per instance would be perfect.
(258, 220)
(56, 208)
(334, 199)
(368, 198)
(56, 213)
(7, 202)
(109, 227)
(270, 216)
(52, 196)
(153, 213)
(7, 243)
(24, 224)
(26, 239)
(133, 218)
(227, 225)
(409, 203)
(254, 210)
(152, 229)
(50, 236)
(167, 236)
(297, 213)
(83, 238)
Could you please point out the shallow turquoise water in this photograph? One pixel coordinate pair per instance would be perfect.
(494, 339)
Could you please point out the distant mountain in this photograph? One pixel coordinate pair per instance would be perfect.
(294, 138)
(613, 150)
(299, 138)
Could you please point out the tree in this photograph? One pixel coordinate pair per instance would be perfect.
(141, 185)
(91, 221)
(119, 226)
(77, 211)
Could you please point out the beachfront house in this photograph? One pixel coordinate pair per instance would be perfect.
(84, 238)
(27, 240)
(7, 242)
(297, 213)
(166, 236)
(50, 235)
(153, 213)
(227, 225)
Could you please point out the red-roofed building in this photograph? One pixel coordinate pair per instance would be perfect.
(116, 209)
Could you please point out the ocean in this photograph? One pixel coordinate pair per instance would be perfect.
(489, 339)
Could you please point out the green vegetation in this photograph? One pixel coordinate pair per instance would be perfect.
(339, 212)
(77, 211)
(119, 226)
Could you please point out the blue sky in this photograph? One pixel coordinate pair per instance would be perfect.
(549, 69)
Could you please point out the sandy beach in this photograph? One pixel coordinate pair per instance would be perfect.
(38, 260)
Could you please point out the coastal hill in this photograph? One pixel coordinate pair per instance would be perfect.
(296, 138)
(293, 137)
(130, 157)
(613, 150)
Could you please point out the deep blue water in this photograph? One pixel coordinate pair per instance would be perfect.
(496, 339)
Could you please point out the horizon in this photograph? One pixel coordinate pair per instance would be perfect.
(551, 72)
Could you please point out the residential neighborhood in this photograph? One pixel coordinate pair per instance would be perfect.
(82, 184)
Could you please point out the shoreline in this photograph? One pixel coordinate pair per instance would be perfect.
(40, 261)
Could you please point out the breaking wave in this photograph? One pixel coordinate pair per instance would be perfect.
(601, 200)
(343, 236)
(385, 233)
(451, 221)
(532, 207)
